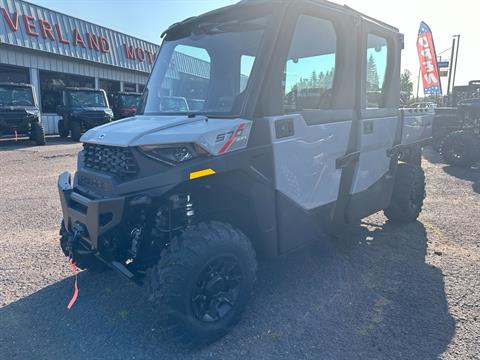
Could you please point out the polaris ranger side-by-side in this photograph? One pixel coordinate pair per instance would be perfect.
(281, 150)
(456, 131)
(125, 104)
(19, 112)
(81, 110)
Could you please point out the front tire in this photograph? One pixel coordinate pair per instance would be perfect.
(203, 281)
(408, 194)
(62, 131)
(38, 133)
(461, 149)
(76, 130)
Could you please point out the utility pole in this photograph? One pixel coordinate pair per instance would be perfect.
(451, 66)
(456, 60)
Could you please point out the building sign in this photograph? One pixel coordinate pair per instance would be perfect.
(428, 61)
(34, 27)
(443, 64)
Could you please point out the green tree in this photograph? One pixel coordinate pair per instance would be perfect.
(406, 87)
(373, 84)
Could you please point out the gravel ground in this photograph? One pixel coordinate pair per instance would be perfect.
(377, 292)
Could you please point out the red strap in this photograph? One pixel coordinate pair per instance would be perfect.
(75, 294)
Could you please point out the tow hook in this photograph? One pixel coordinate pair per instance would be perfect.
(73, 239)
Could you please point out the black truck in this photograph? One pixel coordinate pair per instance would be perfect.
(19, 112)
(125, 104)
(81, 110)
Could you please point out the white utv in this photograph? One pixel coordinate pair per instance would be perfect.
(297, 133)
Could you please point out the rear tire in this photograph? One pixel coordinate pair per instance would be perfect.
(408, 194)
(413, 156)
(461, 149)
(38, 133)
(76, 130)
(438, 139)
(62, 131)
(203, 281)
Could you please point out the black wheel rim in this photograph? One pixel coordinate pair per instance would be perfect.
(216, 290)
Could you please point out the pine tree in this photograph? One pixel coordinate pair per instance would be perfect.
(373, 83)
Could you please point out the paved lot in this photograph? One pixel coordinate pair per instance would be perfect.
(378, 292)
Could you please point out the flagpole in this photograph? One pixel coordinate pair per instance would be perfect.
(418, 81)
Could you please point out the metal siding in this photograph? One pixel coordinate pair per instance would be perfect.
(116, 56)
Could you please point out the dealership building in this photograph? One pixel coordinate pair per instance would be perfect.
(51, 51)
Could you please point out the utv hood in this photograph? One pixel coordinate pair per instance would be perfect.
(214, 135)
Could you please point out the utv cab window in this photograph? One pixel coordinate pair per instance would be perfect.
(16, 96)
(377, 57)
(86, 99)
(310, 67)
(204, 67)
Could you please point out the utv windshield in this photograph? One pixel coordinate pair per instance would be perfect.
(16, 96)
(87, 98)
(204, 65)
(129, 101)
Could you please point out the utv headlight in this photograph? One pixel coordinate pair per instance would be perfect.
(172, 154)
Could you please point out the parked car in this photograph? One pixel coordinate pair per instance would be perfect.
(186, 203)
(19, 112)
(81, 110)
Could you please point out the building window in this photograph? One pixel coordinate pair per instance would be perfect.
(377, 58)
(129, 87)
(141, 87)
(111, 88)
(52, 83)
(14, 74)
(310, 66)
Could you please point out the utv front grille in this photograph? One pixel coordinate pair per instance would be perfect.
(117, 161)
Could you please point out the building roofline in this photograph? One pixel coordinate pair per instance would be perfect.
(88, 22)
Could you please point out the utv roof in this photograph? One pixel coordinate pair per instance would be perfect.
(82, 89)
(129, 93)
(345, 9)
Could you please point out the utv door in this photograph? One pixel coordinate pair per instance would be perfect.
(380, 124)
(317, 92)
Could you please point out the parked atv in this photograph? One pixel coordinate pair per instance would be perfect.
(186, 202)
(462, 147)
(125, 104)
(19, 112)
(81, 110)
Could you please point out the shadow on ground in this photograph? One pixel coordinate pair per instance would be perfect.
(470, 174)
(368, 294)
(432, 156)
(24, 142)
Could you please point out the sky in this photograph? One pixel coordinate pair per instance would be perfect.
(147, 19)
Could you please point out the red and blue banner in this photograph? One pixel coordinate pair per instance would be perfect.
(428, 61)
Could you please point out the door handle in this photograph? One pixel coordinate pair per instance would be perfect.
(344, 161)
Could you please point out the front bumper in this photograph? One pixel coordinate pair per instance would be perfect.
(96, 216)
